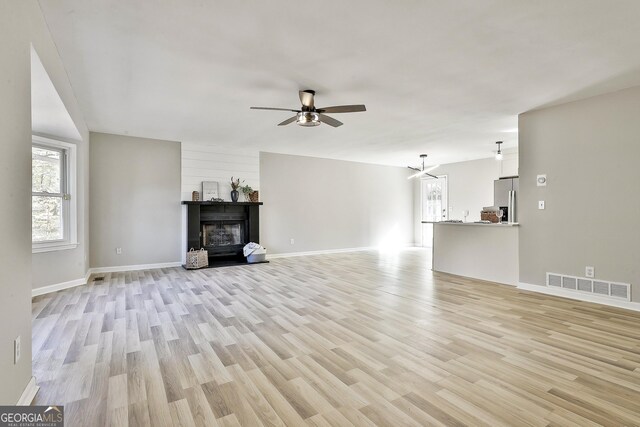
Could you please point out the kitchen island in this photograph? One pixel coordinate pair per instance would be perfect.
(480, 251)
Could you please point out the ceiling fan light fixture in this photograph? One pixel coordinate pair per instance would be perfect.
(307, 119)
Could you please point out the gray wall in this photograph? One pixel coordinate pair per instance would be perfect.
(135, 200)
(15, 189)
(330, 204)
(55, 267)
(589, 150)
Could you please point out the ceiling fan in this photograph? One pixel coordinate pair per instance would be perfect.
(309, 115)
(422, 171)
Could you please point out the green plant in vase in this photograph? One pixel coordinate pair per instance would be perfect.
(246, 191)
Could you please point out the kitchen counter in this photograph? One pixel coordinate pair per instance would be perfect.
(503, 224)
(486, 252)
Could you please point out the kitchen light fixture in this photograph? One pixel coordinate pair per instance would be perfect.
(423, 171)
(499, 153)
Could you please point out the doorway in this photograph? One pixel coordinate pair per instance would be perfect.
(435, 205)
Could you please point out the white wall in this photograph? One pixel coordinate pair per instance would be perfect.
(207, 162)
(22, 24)
(589, 150)
(331, 204)
(135, 201)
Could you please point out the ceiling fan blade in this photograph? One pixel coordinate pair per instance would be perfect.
(342, 109)
(289, 120)
(274, 109)
(415, 169)
(306, 97)
(330, 121)
(422, 172)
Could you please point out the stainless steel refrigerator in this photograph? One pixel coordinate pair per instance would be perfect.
(505, 195)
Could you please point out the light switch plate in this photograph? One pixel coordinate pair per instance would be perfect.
(540, 204)
(17, 350)
(541, 180)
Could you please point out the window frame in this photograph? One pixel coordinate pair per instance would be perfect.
(68, 196)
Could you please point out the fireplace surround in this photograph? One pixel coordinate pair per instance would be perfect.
(222, 228)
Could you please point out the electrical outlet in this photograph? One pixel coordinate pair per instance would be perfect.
(118, 251)
(590, 271)
(540, 204)
(292, 241)
(17, 350)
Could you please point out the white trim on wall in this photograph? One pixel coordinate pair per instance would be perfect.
(60, 286)
(121, 268)
(98, 270)
(332, 251)
(29, 393)
(571, 294)
(322, 252)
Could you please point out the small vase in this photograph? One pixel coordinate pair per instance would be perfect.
(234, 195)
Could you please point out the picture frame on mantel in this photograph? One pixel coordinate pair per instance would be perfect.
(209, 190)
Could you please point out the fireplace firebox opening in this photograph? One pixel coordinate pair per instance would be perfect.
(223, 233)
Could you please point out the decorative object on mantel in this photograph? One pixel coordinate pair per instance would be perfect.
(209, 190)
(195, 196)
(253, 196)
(235, 184)
(197, 259)
(246, 190)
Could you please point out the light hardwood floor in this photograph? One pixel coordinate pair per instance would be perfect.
(347, 339)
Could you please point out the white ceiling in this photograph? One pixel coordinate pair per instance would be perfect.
(446, 78)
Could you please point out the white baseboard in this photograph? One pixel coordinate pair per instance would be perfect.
(119, 268)
(60, 286)
(98, 270)
(29, 393)
(629, 305)
(322, 252)
(334, 251)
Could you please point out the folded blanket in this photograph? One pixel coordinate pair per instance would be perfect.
(250, 248)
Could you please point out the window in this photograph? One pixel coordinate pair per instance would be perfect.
(53, 206)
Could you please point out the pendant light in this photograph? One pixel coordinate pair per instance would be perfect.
(499, 152)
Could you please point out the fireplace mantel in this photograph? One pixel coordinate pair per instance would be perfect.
(201, 217)
(221, 203)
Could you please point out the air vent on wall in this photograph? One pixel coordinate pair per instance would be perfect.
(596, 287)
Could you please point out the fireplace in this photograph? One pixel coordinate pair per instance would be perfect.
(222, 228)
(223, 234)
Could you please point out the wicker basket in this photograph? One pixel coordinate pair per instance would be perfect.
(253, 196)
(197, 259)
(488, 216)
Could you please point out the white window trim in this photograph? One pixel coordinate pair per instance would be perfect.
(71, 240)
